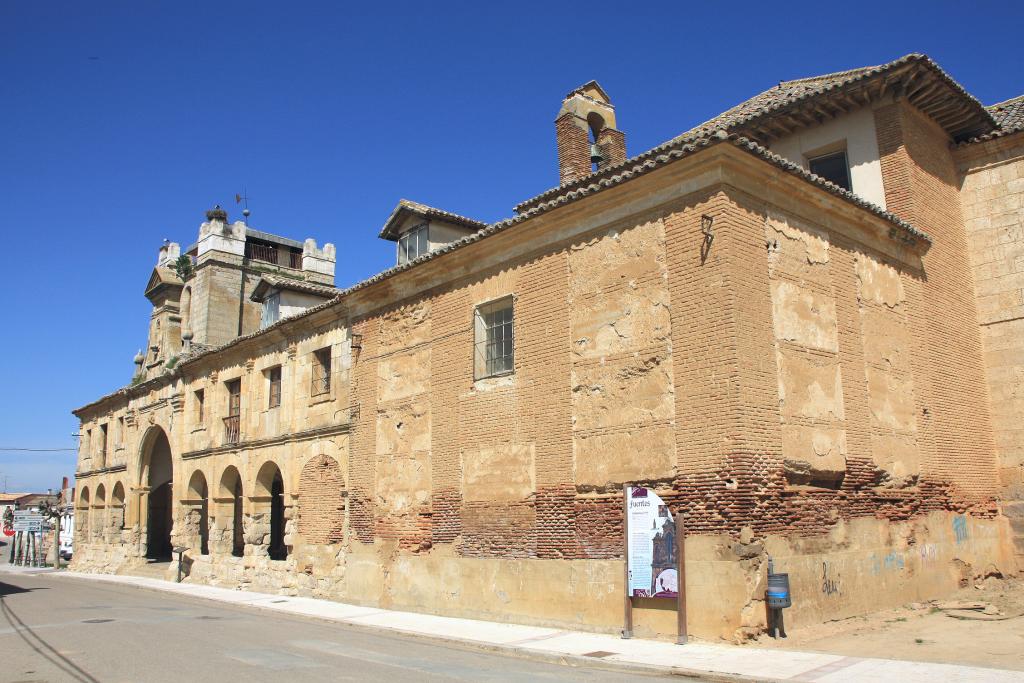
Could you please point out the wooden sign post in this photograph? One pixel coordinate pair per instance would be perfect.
(653, 517)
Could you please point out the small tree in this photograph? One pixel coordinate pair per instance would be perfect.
(184, 268)
(53, 512)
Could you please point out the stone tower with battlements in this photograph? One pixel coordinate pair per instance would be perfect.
(213, 304)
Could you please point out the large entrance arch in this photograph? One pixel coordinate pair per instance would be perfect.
(157, 475)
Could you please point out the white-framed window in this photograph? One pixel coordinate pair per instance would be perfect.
(493, 339)
(833, 167)
(271, 310)
(413, 244)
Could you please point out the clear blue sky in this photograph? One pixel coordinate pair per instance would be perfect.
(122, 122)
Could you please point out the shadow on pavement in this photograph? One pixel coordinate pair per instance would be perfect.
(11, 589)
(38, 644)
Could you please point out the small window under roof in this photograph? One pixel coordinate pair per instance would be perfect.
(833, 167)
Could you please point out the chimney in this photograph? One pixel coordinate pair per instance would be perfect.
(586, 134)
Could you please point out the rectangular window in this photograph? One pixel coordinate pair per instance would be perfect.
(321, 372)
(832, 167)
(271, 310)
(234, 397)
(274, 378)
(200, 398)
(120, 432)
(413, 244)
(103, 442)
(233, 422)
(493, 339)
(87, 445)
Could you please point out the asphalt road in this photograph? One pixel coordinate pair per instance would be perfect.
(58, 628)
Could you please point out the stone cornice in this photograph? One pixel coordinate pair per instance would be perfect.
(101, 470)
(292, 437)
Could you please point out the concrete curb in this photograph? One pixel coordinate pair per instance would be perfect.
(519, 652)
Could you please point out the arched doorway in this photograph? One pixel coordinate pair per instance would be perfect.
(117, 511)
(82, 522)
(99, 529)
(199, 499)
(231, 489)
(158, 476)
(270, 483)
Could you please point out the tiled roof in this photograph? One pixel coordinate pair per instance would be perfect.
(12, 497)
(1009, 114)
(761, 117)
(268, 281)
(717, 131)
(786, 92)
(406, 207)
(597, 183)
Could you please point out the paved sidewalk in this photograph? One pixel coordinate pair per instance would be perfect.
(712, 662)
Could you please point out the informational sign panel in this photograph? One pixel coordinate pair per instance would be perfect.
(651, 552)
(26, 520)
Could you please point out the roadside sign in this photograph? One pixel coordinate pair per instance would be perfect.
(28, 520)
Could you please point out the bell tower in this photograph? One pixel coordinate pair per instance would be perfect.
(586, 134)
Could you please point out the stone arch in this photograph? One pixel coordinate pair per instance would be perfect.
(269, 508)
(230, 500)
(116, 516)
(185, 310)
(197, 485)
(99, 519)
(321, 501)
(83, 514)
(596, 123)
(198, 516)
(156, 485)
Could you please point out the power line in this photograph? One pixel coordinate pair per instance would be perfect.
(37, 450)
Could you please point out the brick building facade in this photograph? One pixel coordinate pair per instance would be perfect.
(796, 323)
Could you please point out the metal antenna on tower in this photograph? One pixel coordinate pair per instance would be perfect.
(244, 200)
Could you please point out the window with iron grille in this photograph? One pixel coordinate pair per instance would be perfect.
(274, 376)
(321, 372)
(413, 244)
(493, 339)
(200, 397)
(233, 422)
(234, 397)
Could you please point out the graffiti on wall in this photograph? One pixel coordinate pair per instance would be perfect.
(929, 553)
(829, 580)
(894, 561)
(960, 528)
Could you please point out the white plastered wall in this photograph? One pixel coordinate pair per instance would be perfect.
(858, 131)
(293, 303)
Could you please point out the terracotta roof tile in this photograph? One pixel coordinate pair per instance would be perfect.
(791, 94)
(1009, 114)
(268, 281)
(406, 206)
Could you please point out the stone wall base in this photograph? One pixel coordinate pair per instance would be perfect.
(863, 565)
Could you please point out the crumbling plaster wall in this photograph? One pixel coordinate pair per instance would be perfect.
(954, 423)
(644, 353)
(992, 192)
